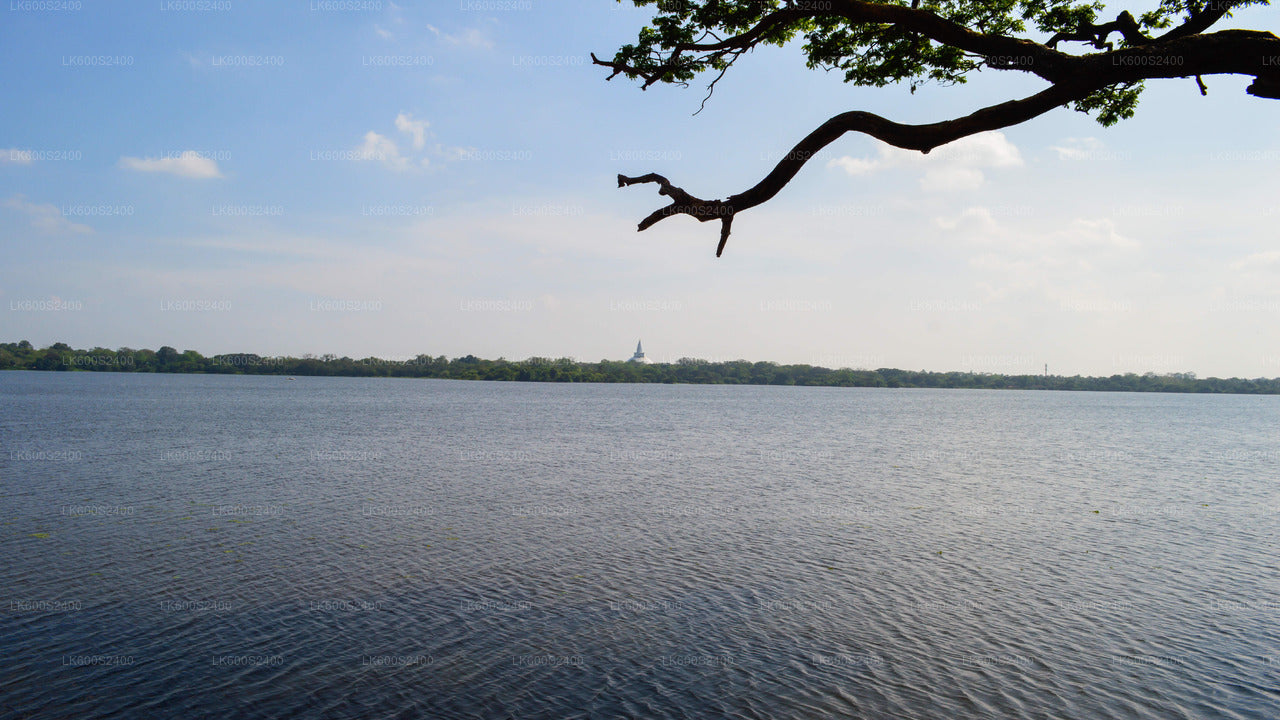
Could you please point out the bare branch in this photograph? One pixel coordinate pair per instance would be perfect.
(911, 137)
(711, 88)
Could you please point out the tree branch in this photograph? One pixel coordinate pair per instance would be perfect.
(1045, 62)
(1097, 34)
(1198, 22)
(1181, 53)
(910, 137)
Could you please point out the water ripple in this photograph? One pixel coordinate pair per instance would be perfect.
(197, 545)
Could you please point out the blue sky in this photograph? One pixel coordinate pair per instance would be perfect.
(371, 178)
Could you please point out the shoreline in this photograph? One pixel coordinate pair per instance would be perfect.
(687, 371)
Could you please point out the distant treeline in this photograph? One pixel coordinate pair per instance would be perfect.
(60, 356)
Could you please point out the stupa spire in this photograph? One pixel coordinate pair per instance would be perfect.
(639, 356)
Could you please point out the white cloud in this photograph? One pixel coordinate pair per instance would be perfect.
(15, 156)
(856, 166)
(984, 226)
(1087, 148)
(990, 149)
(417, 128)
(974, 218)
(1076, 263)
(955, 166)
(395, 16)
(188, 164)
(471, 37)
(1077, 148)
(1269, 260)
(949, 179)
(1094, 234)
(46, 217)
(383, 149)
(448, 152)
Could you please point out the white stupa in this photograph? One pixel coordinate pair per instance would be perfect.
(639, 356)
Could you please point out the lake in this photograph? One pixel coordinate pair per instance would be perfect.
(251, 546)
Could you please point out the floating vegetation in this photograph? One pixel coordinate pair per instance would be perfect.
(41, 535)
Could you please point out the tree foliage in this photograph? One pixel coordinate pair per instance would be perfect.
(61, 357)
(940, 41)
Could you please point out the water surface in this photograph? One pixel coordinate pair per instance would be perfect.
(181, 545)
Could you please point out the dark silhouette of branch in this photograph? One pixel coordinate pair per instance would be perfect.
(912, 137)
(1044, 61)
(1212, 12)
(1096, 35)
